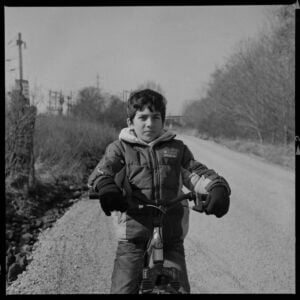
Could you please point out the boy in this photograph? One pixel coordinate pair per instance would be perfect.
(146, 164)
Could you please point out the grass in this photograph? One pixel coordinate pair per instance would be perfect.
(67, 148)
(276, 154)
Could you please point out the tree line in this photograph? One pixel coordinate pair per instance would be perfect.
(253, 94)
(94, 105)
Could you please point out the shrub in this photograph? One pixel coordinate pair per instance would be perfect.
(68, 148)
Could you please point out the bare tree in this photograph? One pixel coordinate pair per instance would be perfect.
(150, 84)
(254, 92)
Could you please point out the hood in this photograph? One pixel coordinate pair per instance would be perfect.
(128, 135)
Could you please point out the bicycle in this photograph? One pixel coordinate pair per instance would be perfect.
(157, 279)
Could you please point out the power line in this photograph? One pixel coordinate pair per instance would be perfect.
(10, 59)
(12, 39)
(11, 46)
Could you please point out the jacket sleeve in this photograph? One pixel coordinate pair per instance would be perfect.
(197, 177)
(102, 179)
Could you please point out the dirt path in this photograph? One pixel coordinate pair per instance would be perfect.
(74, 256)
(250, 250)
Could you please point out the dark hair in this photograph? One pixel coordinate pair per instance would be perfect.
(138, 100)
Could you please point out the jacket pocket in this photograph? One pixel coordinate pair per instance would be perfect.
(119, 224)
(139, 227)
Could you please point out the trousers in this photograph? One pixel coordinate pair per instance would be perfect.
(129, 263)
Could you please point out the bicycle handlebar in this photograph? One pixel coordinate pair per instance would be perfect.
(191, 196)
(93, 195)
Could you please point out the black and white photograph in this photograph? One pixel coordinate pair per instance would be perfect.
(150, 149)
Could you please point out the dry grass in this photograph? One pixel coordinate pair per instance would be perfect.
(277, 154)
(67, 149)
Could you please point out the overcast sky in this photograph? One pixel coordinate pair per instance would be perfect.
(176, 47)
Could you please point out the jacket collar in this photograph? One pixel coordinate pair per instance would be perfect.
(128, 135)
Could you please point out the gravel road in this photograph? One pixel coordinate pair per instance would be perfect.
(250, 250)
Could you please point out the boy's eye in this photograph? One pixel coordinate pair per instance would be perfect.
(155, 117)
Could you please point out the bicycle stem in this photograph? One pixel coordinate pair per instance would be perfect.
(157, 244)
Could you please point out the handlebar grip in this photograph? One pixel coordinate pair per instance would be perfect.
(93, 195)
(191, 196)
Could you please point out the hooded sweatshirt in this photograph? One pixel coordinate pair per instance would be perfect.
(146, 173)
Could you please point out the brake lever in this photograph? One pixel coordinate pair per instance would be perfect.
(199, 201)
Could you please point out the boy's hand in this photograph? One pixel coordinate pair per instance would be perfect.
(217, 202)
(113, 201)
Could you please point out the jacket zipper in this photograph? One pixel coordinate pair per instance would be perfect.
(156, 176)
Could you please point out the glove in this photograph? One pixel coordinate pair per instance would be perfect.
(113, 201)
(217, 202)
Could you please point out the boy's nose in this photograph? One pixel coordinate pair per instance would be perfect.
(149, 122)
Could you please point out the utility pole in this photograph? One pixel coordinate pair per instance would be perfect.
(69, 99)
(49, 103)
(22, 164)
(61, 102)
(19, 44)
(52, 94)
(55, 101)
(98, 82)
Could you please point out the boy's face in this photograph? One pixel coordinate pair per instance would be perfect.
(147, 124)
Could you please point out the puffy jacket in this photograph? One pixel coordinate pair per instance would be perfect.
(147, 173)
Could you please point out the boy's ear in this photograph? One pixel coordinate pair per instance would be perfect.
(129, 123)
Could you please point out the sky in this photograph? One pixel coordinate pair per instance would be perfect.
(176, 47)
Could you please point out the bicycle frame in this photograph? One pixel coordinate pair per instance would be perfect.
(157, 279)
